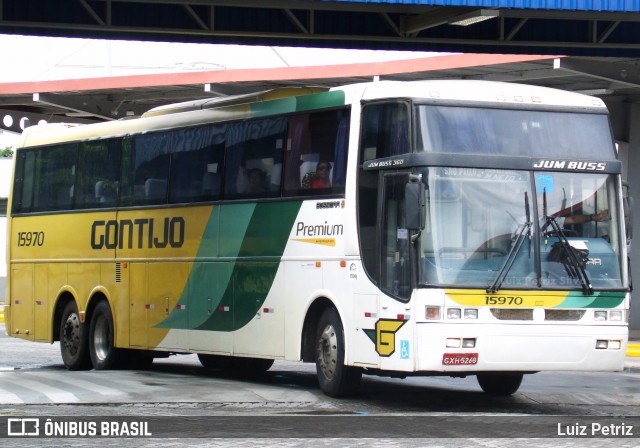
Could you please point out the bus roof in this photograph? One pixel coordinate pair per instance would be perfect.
(296, 99)
(474, 91)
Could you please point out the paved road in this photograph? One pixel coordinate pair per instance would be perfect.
(34, 383)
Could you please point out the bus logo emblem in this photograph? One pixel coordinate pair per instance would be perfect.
(384, 335)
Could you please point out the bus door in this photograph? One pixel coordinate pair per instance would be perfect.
(398, 277)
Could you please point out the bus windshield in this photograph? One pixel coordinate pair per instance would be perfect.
(482, 130)
(475, 217)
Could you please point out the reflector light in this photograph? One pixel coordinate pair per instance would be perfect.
(432, 313)
(600, 316)
(602, 344)
(454, 313)
(453, 343)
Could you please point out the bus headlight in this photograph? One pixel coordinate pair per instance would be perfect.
(453, 342)
(454, 313)
(615, 316)
(601, 344)
(615, 345)
(600, 316)
(468, 342)
(470, 313)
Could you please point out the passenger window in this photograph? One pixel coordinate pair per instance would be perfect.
(196, 164)
(54, 172)
(98, 180)
(317, 153)
(146, 169)
(254, 158)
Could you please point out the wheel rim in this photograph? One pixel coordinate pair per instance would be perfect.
(101, 344)
(71, 334)
(328, 352)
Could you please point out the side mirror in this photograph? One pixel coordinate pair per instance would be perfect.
(627, 205)
(414, 203)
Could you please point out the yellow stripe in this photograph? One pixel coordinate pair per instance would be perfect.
(1, 316)
(507, 298)
(633, 350)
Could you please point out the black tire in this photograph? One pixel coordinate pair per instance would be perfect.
(500, 384)
(104, 354)
(74, 341)
(336, 379)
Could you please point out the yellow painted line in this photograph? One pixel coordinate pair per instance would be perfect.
(1, 317)
(633, 349)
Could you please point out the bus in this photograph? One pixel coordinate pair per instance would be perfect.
(6, 165)
(453, 228)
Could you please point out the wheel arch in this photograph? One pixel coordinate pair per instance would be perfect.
(310, 326)
(64, 297)
(69, 295)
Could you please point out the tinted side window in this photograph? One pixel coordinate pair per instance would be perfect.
(197, 164)
(145, 171)
(254, 158)
(316, 155)
(98, 179)
(45, 179)
(385, 131)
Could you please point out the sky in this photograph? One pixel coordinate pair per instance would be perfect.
(30, 58)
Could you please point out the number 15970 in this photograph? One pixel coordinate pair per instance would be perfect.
(26, 239)
(503, 300)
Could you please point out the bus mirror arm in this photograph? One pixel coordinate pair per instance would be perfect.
(414, 205)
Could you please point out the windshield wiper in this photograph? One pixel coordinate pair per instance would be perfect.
(514, 251)
(575, 269)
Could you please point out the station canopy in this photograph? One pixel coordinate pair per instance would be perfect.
(589, 46)
(571, 27)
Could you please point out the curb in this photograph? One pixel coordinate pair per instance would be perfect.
(633, 349)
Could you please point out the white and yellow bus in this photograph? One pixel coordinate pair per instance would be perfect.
(421, 228)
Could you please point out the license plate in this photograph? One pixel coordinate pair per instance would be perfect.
(459, 359)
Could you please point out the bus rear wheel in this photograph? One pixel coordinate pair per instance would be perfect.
(500, 384)
(73, 339)
(335, 378)
(104, 354)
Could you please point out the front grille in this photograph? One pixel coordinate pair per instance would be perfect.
(563, 315)
(512, 313)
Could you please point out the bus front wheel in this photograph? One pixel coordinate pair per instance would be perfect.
(104, 354)
(335, 378)
(73, 339)
(500, 384)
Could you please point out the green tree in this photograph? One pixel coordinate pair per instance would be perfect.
(6, 152)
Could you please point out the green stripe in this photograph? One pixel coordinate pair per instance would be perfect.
(298, 104)
(258, 234)
(600, 299)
